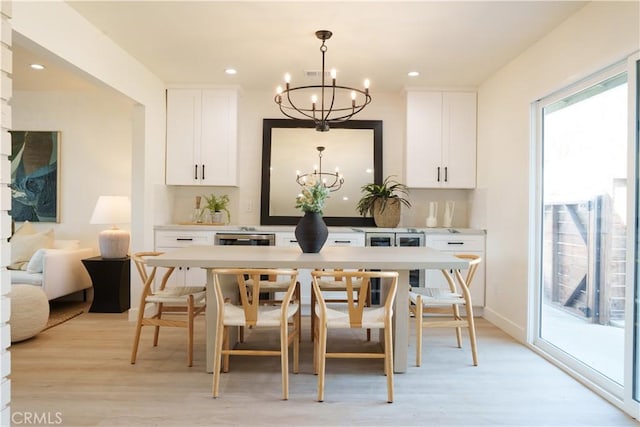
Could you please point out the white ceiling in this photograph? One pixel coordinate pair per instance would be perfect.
(451, 43)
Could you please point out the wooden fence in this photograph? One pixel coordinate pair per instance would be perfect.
(584, 259)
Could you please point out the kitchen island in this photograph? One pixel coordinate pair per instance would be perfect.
(400, 258)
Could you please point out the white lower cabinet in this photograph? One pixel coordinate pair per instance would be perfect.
(304, 275)
(166, 240)
(459, 244)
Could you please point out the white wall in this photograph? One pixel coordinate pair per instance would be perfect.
(595, 37)
(95, 151)
(255, 106)
(56, 27)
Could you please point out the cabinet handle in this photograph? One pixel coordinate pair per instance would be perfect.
(455, 243)
(342, 241)
(438, 173)
(184, 239)
(196, 172)
(446, 175)
(203, 172)
(293, 241)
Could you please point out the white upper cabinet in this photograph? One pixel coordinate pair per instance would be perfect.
(202, 142)
(440, 147)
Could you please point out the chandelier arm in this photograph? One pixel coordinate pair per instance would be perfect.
(294, 117)
(333, 100)
(301, 110)
(294, 107)
(346, 116)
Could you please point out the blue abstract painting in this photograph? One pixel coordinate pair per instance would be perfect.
(34, 175)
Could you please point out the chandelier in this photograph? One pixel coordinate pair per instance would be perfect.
(330, 181)
(332, 106)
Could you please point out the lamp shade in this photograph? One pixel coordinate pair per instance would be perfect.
(113, 243)
(112, 210)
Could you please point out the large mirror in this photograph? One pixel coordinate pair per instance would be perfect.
(291, 146)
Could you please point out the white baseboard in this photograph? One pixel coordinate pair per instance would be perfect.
(506, 325)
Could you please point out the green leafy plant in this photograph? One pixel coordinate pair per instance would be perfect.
(312, 198)
(218, 204)
(390, 189)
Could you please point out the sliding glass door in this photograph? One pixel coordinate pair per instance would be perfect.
(587, 228)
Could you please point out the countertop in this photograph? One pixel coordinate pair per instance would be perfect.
(290, 229)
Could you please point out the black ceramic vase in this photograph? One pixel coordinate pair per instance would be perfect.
(311, 232)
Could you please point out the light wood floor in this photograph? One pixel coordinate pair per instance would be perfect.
(81, 370)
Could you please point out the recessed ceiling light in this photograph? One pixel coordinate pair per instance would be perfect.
(413, 73)
(37, 66)
(231, 71)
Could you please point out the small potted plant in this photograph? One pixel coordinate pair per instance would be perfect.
(311, 231)
(216, 205)
(383, 202)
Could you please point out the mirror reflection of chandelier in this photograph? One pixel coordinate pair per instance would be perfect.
(331, 181)
(333, 104)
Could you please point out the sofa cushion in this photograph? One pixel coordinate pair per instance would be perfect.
(24, 277)
(66, 244)
(36, 263)
(23, 246)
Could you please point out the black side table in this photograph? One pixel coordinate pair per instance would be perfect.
(111, 284)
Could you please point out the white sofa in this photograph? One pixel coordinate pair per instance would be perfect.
(62, 272)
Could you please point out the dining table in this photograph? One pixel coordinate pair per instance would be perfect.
(402, 259)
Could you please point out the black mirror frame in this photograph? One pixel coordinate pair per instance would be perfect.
(355, 221)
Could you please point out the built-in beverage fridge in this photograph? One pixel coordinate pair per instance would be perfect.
(416, 277)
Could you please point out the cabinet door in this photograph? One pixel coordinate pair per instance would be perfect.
(459, 140)
(440, 147)
(167, 240)
(195, 276)
(183, 137)
(469, 244)
(218, 145)
(423, 151)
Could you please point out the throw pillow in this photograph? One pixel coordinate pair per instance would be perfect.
(36, 263)
(23, 246)
(24, 229)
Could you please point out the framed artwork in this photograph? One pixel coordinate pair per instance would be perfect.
(35, 175)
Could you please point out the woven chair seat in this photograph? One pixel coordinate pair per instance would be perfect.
(178, 296)
(267, 315)
(435, 296)
(372, 318)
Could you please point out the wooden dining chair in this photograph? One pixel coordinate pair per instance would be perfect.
(355, 315)
(273, 289)
(446, 304)
(256, 309)
(336, 283)
(184, 301)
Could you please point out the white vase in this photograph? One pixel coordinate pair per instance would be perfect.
(217, 217)
(447, 218)
(432, 219)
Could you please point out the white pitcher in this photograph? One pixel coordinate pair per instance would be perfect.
(449, 207)
(432, 219)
